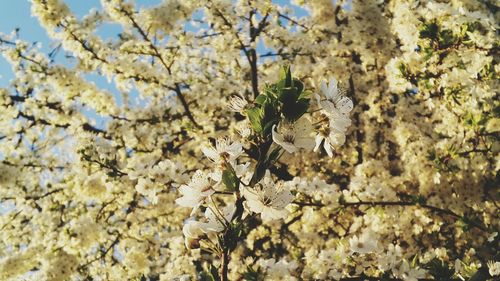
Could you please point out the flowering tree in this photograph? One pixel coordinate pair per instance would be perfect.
(230, 150)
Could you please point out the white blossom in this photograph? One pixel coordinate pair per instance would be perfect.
(224, 151)
(494, 268)
(408, 273)
(279, 270)
(244, 129)
(192, 233)
(240, 170)
(92, 137)
(294, 135)
(195, 193)
(268, 198)
(391, 258)
(332, 136)
(333, 99)
(217, 220)
(237, 104)
(364, 244)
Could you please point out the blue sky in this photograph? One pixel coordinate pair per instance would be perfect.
(17, 14)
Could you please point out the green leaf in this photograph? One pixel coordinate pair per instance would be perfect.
(295, 110)
(428, 52)
(446, 39)
(299, 85)
(440, 270)
(260, 99)
(255, 116)
(288, 95)
(269, 117)
(259, 173)
(403, 69)
(266, 129)
(263, 165)
(264, 114)
(417, 199)
(230, 179)
(286, 76)
(305, 95)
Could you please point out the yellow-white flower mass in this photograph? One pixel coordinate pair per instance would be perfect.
(252, 140)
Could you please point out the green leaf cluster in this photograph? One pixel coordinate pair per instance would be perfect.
(286, 99)
(289, 91)
(262, 115)
(440, 270)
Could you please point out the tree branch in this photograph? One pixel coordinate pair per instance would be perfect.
(158, 55)
(397, 203)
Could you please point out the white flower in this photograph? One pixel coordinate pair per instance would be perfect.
(458, 266)
(364, 244)
(334, 99)
(491, 238)
(436, 178)
(333, 135)
(224, 151)
(494, 268)
(244, 129)
(237, 104)
(148, 189)
(192, 234)
(293, 136)
(278, 270)
(392, 258)
(339, 122)
(192, 229)
(196, 191)
(408, 274)
(184, 277)
(216, 222)
(268, 199)
(329, 139)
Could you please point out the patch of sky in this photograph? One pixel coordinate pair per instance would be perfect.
(17, 14)
(7, 207)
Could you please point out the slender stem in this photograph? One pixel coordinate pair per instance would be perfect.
(253, 67)
(185, 105)
(217, 213)
(224, 260)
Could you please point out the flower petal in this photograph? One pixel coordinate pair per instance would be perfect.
(210, 153)
(255, 206)
(302, 127)
(328, 148)
(345, 105)
(319, 138)
(304, 142)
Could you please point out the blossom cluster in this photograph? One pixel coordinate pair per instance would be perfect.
(203, 158)
(278, 124)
